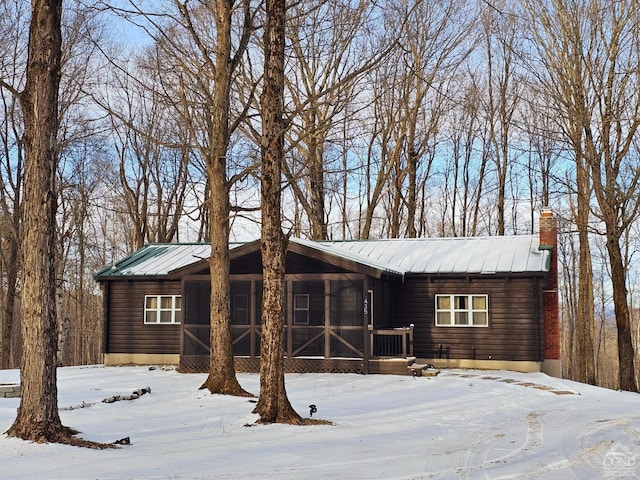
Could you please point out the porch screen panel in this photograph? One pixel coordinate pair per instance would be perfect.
(315, 292)
(349, 345)
(258, 303)
(245, 334)
(196, 304)
(240, 303)
(308, 318)
(346, 303)
(196, 322)
(196, 342)
(241, 343)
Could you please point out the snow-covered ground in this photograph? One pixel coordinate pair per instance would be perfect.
(460, 424)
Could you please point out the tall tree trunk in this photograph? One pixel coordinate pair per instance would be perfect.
(11, 210)
(317, 219)
(222, 374)
(37, 419)
(569, 304)
(626, 354)
(412, 188)
(585, 367)
(273, 405)
(8, 304)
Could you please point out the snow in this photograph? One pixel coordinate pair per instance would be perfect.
(460, 424)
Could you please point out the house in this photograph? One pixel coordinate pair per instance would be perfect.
(370, 306)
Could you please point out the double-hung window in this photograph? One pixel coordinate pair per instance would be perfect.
(162, 309)
(301, 309)
(462, 310)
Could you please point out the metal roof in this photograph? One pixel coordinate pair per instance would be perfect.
(471, 255)
(456, 255)
(358, 257)
(157, 259)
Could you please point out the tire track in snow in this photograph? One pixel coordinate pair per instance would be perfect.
(478, 458)
(594, 445)
(474, 459)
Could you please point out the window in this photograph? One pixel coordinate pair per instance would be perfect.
(301, 309)
(162, 309)
(462, 310)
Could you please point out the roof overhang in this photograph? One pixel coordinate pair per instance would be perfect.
(339, 258)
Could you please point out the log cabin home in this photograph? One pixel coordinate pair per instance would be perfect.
(365, 306)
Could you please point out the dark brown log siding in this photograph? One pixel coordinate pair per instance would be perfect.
(515, 329)
(515, 318)
(126, 330)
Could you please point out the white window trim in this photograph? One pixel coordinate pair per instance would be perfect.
(158, 310)
(297, 309)
(470, 311)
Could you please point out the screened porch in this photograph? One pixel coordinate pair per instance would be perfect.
(324, 316)
(327, 321)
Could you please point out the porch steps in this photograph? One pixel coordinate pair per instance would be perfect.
(390, 366)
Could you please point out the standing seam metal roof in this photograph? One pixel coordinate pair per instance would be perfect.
(455, 255)
(479, 255)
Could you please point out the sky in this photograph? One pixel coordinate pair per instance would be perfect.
(460, 424)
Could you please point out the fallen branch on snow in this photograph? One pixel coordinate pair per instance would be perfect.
(75, 407)
(114, 398)
(122, 441)
(136, 394)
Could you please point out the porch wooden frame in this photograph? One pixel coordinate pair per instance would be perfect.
(326, 331)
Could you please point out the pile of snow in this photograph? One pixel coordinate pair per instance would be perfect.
(460, 424)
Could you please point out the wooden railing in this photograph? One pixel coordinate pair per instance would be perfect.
(392, 342)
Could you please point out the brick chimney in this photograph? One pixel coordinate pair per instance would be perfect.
(550, 312)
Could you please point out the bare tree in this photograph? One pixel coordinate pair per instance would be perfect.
(13, 50)
(205, 65)
(10, 209)
(568, 259)
(75, 135)
(220, 70)
(546, 156)
(81, 180)
(37, 418)
(273, 405)
(153, 154)
(590, 54)
(410, 99)
(383, 153)
(504, 89)
(465, 169)
(327, 38)
(80, 171)
(198, 47)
